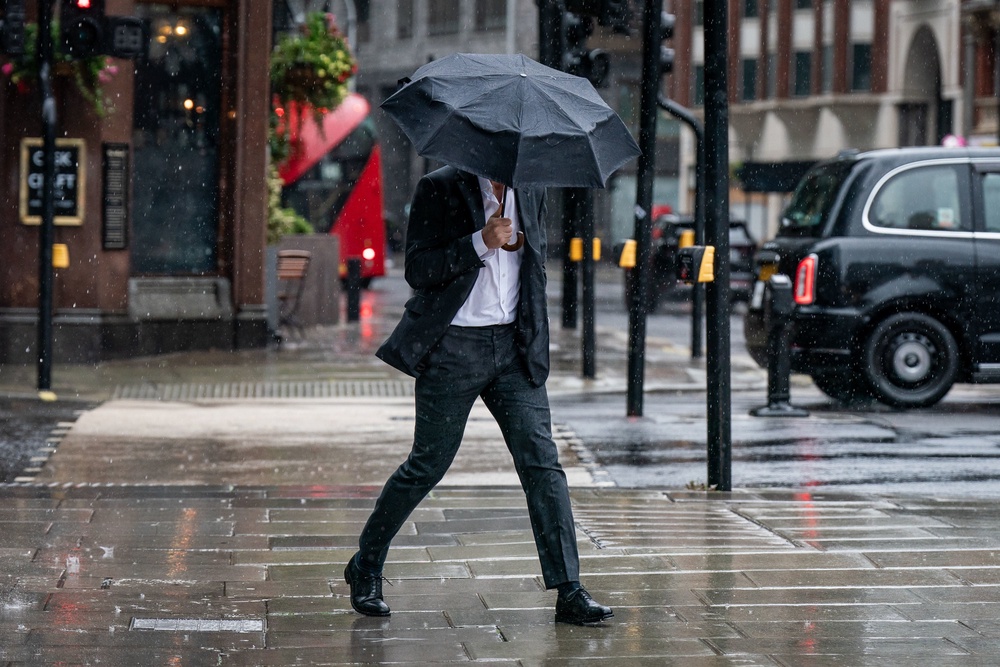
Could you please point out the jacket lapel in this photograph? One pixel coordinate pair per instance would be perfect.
(468, 185)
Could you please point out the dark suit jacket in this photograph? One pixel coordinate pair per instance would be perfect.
(441, 266)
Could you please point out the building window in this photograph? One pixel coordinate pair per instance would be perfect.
(699, 12)
(749, 79)
(802, 85)
(803, 4)
(861, 68)
(750, 9)
(363, 9)
(772, 77)
(491, 15)
(442, 17)
(827, 68)
(698, 86)
(404, 19)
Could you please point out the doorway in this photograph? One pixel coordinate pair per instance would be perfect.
(176, 129)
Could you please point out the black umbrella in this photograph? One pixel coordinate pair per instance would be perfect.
(512, 120)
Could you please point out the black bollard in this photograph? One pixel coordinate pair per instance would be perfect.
(353, 287)
(779, 362)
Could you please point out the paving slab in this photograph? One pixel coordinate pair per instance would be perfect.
(213, 529)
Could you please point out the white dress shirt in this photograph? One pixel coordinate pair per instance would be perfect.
(494, 297)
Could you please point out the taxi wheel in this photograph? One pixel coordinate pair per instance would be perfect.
(910, 360)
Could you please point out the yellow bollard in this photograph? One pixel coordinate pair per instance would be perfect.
(576, 249)
(596, 249)
(627, 260)
(60, 256)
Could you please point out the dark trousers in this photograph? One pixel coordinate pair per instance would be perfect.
(468, 363)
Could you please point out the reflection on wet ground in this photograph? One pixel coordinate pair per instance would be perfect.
(209, 575)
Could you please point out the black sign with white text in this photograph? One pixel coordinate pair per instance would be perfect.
(69, 181)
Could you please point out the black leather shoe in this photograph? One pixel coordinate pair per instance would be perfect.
(579, 608)
(366, 591)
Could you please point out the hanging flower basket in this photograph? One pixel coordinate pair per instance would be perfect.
(87, 75)
(309, 70)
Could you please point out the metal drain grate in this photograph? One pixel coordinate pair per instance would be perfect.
(255, 390)
(197, 625)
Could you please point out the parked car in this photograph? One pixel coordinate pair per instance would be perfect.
(894, 257)
(666, 236)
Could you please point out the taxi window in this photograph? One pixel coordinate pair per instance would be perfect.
(923, 198)
(991, 202)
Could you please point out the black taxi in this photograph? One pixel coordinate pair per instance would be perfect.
(894, 256)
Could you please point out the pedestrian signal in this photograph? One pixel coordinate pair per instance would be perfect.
(696, 264)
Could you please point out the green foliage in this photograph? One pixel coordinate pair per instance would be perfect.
(281, 221)
(309, 70)
(87, 74)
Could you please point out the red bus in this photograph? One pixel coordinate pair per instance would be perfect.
(333, 178)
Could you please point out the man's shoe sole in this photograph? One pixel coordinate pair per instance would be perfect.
(578, 621)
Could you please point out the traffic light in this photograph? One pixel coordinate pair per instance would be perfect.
(82, 27)
(666, 31)
(616, 14)
(87, 31)
(593, 64)
(12, 28)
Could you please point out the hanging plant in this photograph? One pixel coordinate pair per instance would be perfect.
(309, 72)
(87, 74)
(281, 221)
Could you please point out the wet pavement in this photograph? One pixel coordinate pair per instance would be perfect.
(201, 514)
(29, 428)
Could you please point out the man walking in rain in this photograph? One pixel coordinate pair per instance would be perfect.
(476, 327)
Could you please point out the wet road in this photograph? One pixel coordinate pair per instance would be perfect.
(950, 450)
(25, 426)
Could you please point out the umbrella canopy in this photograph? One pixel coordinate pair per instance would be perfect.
(512, 120)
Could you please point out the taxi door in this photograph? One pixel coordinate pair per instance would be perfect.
(987, 241)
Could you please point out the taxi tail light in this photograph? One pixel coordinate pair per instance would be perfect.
(805, 281)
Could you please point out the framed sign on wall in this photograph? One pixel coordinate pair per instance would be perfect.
(70, 181)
